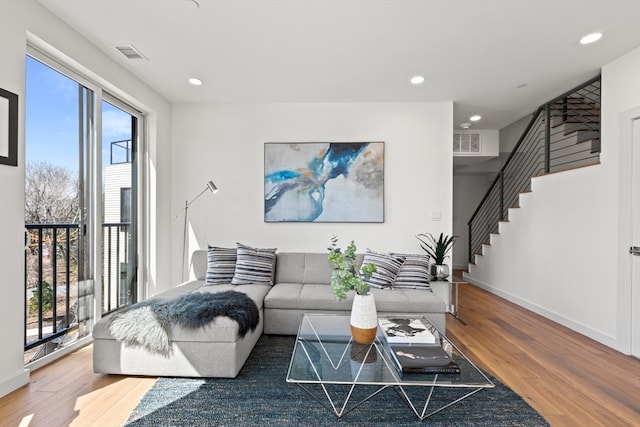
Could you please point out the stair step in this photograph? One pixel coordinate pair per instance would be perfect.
(563, 136)
(574, 107)
(584, 135)
(558, 121)
(571, 101)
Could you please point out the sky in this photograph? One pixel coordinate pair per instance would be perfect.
(52, 118)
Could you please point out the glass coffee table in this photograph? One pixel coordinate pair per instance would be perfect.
(330, 367)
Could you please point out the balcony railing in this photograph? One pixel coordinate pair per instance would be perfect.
(51, 278)
(57, 299)
(116, 292)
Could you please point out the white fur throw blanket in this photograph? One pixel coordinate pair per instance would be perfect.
(145, 324)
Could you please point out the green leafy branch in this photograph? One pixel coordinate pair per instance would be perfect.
(345, 275)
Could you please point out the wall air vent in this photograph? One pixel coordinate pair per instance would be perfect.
(131, 52)
(466, 142)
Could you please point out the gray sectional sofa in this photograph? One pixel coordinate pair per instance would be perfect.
(301, 285)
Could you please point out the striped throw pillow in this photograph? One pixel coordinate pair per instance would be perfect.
(387, 268)
(414, 273)
(221, 265)
(254, 266)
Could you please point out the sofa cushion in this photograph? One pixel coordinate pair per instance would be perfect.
(222, 329)
(387, 267)
(407, 301)
(313, 297)
(305, 297)
(255, 292)
(221, 265)
(414, 272)
(298, 267)
(254, 265)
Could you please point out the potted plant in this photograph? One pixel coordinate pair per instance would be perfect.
(346, 276)
(437, 249)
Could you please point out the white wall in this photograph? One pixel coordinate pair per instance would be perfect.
(17, 18)
(564, 252)
(225, 143)
(510, 135)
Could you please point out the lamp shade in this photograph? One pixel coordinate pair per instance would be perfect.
(212, 187)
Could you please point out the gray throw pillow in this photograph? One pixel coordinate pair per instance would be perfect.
(221, 265)
(254, 266)
(387, 268)
(414, 272)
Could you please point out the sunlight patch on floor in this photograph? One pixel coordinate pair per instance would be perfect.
(26, 421)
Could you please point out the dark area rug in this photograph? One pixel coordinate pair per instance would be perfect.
(260, 396)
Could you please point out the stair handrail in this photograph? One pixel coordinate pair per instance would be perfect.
(544, 108)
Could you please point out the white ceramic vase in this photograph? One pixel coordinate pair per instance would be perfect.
(364, 319)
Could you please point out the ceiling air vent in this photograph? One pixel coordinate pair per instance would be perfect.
(467, 142)
(131, 52)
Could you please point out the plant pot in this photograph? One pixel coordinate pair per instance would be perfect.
(364, 319)
(439, 272)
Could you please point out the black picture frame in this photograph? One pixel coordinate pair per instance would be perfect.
(8, 128)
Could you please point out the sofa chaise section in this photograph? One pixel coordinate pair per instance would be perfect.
(214, 350)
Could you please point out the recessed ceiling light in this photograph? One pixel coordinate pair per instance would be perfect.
(195, 81)
(465, 125)
(590, 38)
(416, 80)
(475, 118)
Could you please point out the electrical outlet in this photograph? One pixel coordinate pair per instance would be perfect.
(436, 216)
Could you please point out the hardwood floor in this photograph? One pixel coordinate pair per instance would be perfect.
(570, 379)
(68, 393)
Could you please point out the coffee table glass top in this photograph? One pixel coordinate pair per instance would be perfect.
(325, 353)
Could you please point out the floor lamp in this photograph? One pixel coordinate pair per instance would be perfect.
(210, 187)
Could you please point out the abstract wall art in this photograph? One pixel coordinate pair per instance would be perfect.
(324, 182)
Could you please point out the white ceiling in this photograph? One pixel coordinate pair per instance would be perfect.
(472, 52)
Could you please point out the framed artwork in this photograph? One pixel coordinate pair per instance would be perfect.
(8, 128)
(324, 182)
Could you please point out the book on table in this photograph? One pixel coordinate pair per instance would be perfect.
(401, 330)
(425, 359)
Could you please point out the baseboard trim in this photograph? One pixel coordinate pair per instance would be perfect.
(49, 358)
(581, 328)
(14, 383)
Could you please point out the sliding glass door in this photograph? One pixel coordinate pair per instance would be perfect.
(81, 205)
(120, 202)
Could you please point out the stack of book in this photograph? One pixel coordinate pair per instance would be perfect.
(415, 348)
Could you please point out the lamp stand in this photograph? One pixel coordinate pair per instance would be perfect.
(184, 239)
(185, 235)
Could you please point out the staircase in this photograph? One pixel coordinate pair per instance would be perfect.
(563, 134)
